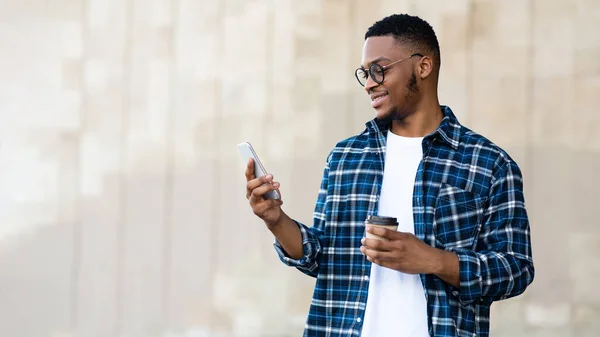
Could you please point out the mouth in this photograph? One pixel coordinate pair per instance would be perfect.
(378, 98)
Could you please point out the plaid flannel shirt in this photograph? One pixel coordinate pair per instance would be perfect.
(468, 199)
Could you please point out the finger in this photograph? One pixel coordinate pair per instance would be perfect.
(379, 245)
(385, 233)
(257, 194)
(266, 205)
(372, 254)
(250, 170)
(263, 189)
(374, 261)
(256, 182)
(384, 263)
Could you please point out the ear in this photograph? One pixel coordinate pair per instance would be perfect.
(425, 67)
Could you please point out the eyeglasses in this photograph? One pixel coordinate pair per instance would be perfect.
(376, 71)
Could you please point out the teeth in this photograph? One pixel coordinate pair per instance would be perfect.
(380, 97)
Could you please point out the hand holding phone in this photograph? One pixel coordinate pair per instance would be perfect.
(261, 191)
(247, 152)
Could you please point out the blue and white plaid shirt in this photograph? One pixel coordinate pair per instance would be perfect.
(468, 199)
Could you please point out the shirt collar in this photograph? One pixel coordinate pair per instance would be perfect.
(448, 131)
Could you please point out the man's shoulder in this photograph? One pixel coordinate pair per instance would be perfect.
(358, 143)
(477, 144)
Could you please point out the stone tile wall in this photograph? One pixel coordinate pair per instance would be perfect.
(122, 209)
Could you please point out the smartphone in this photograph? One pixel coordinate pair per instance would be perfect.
(247, 151)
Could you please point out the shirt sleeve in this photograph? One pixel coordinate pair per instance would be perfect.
(313, 238)
(502, 266)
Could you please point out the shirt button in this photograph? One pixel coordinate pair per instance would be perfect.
(366, 278)
(358, 320)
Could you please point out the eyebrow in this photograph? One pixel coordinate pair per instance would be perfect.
(379, 59)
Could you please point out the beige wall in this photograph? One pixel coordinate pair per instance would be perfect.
(122, 209)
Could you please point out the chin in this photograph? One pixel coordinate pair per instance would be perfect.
(385, 113)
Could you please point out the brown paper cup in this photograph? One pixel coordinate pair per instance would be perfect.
(377, 237)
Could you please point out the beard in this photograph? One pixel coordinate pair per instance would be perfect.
(399, 112)
(413, 88)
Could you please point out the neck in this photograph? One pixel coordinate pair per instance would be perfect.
(423, 121)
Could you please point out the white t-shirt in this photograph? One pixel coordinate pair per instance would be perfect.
(396, 304)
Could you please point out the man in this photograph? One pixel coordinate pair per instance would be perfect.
(463, 239)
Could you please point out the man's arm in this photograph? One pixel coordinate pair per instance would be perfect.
(288, 234)
(447, 268)
(406, 253)
(502, 267)
(298, 245)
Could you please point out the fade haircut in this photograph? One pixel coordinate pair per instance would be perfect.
(410, 31)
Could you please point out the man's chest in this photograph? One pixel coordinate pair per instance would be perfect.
(447, 210)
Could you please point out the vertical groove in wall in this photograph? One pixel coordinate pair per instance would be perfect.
(469, 61)
(269, 65)
(352, 35)
(125, 120)
(348, 63)
(169, 172)
(216, 193)
(529, 95)
(350, 50)
(77, 225)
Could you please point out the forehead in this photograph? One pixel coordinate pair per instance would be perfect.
(381, 46)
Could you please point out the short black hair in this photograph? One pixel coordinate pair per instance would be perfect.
(410, 30)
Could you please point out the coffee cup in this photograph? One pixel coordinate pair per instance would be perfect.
(387, 222)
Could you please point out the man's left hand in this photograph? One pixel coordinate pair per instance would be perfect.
(404, 252)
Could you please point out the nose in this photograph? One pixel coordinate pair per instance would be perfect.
(370, 84)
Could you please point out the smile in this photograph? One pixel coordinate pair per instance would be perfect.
(377, 100)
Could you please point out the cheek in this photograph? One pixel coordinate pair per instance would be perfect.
(398, 95)
(396, 87)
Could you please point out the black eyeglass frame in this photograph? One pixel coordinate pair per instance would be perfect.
(377, 67)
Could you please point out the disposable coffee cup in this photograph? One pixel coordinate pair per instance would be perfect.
(387, 222)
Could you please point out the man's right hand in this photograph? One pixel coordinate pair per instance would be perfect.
(269, 210)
